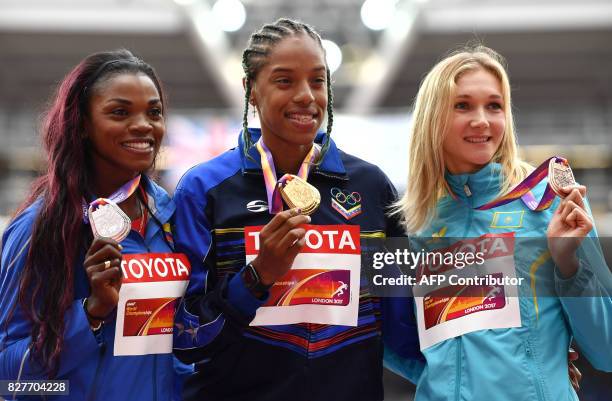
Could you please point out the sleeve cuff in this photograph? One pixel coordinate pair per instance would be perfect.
(241, 298)
(577, 284)
(79, 340)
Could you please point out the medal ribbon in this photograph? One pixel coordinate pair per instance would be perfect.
(523, 190)
(116, 197)
(275, 202)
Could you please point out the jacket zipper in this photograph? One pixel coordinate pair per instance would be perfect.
(155, 377)
(94, 384)
(458, 370)
(470, 202)
(534, 372)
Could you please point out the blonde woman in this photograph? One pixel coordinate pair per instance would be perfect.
(509, 343)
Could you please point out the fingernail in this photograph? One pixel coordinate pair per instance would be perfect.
(308, 219)
(120, 247)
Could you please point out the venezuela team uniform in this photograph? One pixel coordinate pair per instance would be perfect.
(234, 361)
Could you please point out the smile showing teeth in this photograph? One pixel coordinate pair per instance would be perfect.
(477, 139)
(138, 145)
(301, 118)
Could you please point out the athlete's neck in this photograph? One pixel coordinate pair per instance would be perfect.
(288, 157)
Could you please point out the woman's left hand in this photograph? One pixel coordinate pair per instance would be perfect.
(568, 226)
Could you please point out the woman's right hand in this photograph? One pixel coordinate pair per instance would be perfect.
(103, 267)
(279, 243)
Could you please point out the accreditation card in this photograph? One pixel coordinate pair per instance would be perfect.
(151, 286)
(446, 310)
(323, 283)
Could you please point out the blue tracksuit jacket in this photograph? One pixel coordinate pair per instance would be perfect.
(527, 362)
(302, 362)
(86, 360)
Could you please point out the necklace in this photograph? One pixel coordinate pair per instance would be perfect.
(140, 223)
(142, 219)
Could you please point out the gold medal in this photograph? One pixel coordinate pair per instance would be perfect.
(109, 221)
(559, 176)
(298, 193)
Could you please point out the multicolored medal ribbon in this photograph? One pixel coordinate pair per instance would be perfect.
(559, 175)
(295, 190)
(107, 220)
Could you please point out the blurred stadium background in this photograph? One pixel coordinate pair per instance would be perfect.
(559, 54)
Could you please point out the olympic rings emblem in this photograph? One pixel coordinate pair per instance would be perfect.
(345, 197)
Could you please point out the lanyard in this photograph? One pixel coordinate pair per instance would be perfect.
(275, 203)
(523, 189)
(116, 197)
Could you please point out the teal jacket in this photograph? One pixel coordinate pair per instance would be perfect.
(527, 362)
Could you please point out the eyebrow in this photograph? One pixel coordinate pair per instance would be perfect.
(128, 102)
(287, 69)
(469, 97)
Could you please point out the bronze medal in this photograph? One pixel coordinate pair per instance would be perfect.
(298, 193)
(560, 175)
(109, 221)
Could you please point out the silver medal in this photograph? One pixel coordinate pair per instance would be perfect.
(109, 221)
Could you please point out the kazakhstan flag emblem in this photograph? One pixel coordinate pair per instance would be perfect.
(507, 219)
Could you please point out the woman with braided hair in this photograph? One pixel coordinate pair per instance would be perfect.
(224, 325)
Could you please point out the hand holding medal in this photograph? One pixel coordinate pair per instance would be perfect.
(102, 264)
(110, 225)
(280, 242)
(570, 223)
(567, 228)
(283, 237)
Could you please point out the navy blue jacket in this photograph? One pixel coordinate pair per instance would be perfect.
(234, 361)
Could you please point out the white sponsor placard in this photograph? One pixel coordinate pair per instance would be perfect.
(451, 302)
(152, 284)
(323, 283)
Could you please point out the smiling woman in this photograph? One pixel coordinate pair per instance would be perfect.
(290, 95)
(60, 286)
(267, 331)
(510, 341)
(125, 128)
(477, 125)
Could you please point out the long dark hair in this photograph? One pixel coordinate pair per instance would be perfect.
(254, 58)
(59, 236)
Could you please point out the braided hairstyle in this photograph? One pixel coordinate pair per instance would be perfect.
(254, 58)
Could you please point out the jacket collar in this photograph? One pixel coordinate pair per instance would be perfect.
(159, 202)
(331, 164)
(482, 186)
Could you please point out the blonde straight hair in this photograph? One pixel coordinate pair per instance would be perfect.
(430, 124)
